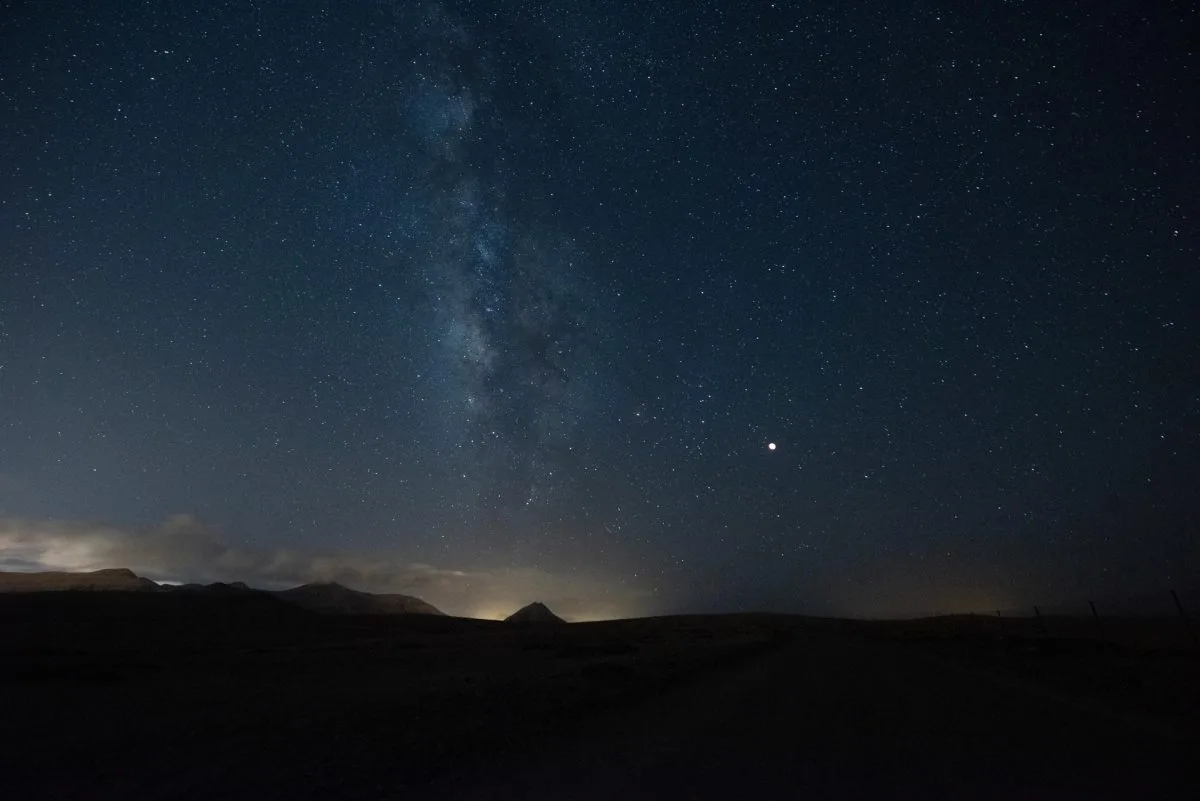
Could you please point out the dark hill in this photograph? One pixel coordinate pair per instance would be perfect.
(536, 612)
(328, 597)
(333, 598)
(120, 579)
(145, 621)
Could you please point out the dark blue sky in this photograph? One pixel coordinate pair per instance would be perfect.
(493, 300)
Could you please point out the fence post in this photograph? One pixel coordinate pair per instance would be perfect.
(1187, 622)
(1041, 623)
(1001, 617)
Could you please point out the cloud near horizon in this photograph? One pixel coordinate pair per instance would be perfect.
(182, 548)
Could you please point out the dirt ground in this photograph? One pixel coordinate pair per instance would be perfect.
(148, 696)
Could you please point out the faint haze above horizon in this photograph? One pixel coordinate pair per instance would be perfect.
(850, 309)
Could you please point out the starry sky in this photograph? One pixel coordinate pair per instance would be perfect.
(492, 302)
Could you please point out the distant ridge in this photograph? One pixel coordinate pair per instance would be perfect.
(536, 612)
(333, 598)
(328, 598)
(109, 580)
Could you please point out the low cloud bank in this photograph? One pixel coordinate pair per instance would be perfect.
(182, 548)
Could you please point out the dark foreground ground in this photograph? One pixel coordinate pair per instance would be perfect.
(167, 696)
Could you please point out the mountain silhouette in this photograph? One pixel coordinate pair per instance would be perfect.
(112, 579)
(326, 597)
(331, 597)
(536, 612)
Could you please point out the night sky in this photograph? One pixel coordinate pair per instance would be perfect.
(492, 302)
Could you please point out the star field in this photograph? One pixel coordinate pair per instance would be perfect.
(850, 309)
